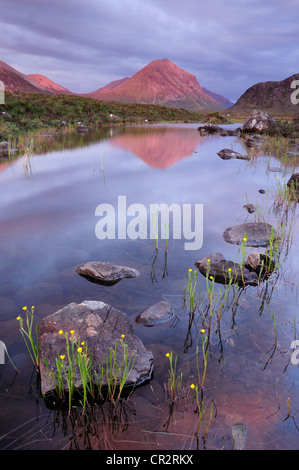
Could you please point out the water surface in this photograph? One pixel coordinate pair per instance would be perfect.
(47, 226)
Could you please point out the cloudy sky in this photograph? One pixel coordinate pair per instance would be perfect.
(228, 45)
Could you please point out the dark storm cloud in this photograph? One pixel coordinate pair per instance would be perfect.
(83, 45)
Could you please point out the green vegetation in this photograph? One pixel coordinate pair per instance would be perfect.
(177, 391)
(31, 112)
(192, 281)
(30, 335)
(174, 382)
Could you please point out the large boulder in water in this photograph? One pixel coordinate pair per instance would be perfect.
(222, 270)
(100, 326)
(259, 122)
(256, 233)
(105, 273)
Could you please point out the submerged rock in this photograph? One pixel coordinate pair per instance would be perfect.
(260, 263)
(250, 208)
(101, 327)
(227, 154)
(161, 312)
(239, 433)
(209, 128)
(105, 273)
(258, 121)
(293, 185)
(222, 270)
(257, 234)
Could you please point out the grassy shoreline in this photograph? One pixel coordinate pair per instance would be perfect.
(26, 113)
(28, 120)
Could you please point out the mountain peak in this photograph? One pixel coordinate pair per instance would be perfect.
(164, 83)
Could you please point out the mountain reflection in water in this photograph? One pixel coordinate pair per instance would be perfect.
(160, 148)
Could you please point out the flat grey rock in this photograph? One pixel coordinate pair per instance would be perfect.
(257, 234)
(105, 273)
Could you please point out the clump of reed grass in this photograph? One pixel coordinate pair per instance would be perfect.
(109, 380)
(199, 392)
(284, 196)
(175, 382)
(191, 286)
(30, 335)
(242, 252)
(118, 373)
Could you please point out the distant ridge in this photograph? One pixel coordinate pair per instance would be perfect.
(225, 101)
(112, 85)
(162, 83)
(268, 96)
(15, 81)
(49, 85)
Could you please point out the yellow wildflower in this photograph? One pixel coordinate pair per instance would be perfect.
(202, 331)
(123, 335)
(25, 308)
(167, 354)
(244, 239)
(83, 342)
(62, 357)
(72, 332)
(18, 318)
(80, 350)
(192, 386)
(60, 332)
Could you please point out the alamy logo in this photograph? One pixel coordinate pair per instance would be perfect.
(2, 352)
(134, 222)
(2, 93)
(295, 94)
(295, 353)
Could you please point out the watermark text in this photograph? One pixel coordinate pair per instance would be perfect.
(2, 93)
(136, 221)
(295, 94)
(2, 352)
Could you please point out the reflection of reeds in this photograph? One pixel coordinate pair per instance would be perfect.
(270, 353)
